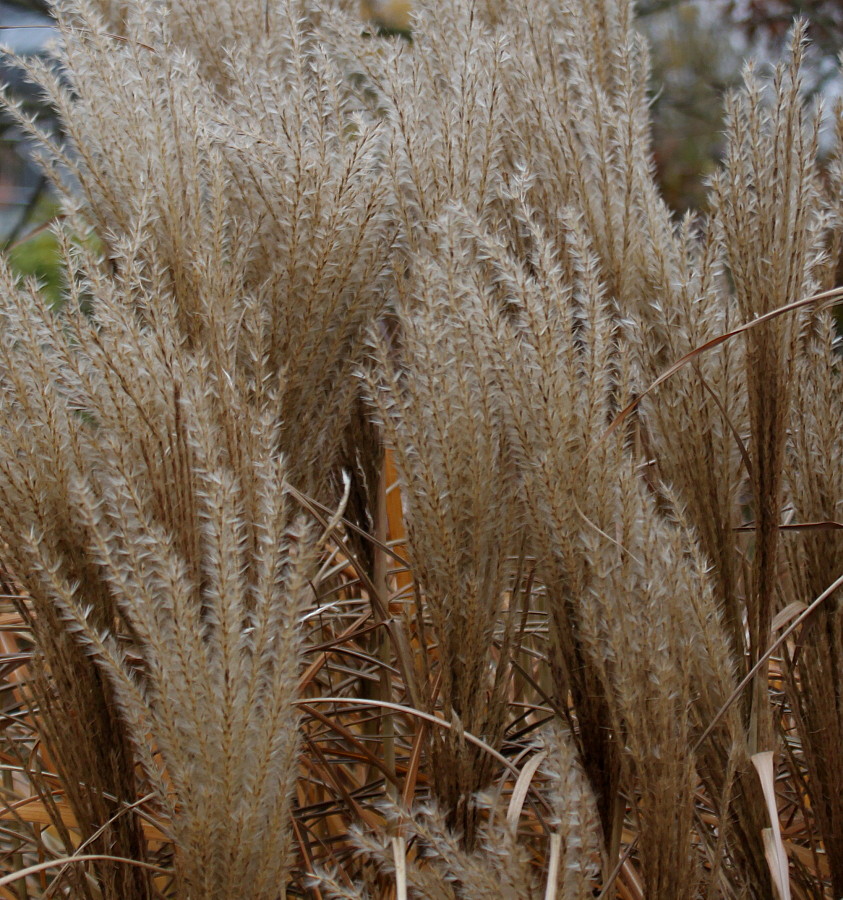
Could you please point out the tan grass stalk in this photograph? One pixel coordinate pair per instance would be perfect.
(814, 490)
(435, 404)
(767, 207)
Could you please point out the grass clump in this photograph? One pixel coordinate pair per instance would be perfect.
(384, 511)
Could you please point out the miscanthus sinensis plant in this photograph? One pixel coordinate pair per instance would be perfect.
(401, 502)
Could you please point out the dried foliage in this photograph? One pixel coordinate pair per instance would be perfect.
(383, 513)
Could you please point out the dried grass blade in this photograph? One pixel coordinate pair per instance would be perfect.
(837, 583)
(399, 852)
(826, 298)
(410, 711)
(413, 766)
(70, 860)
(553, 866)
(787, 614)
(522, 786)
(773, 846)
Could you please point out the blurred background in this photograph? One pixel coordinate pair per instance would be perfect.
(25, 200)
(698, 48)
